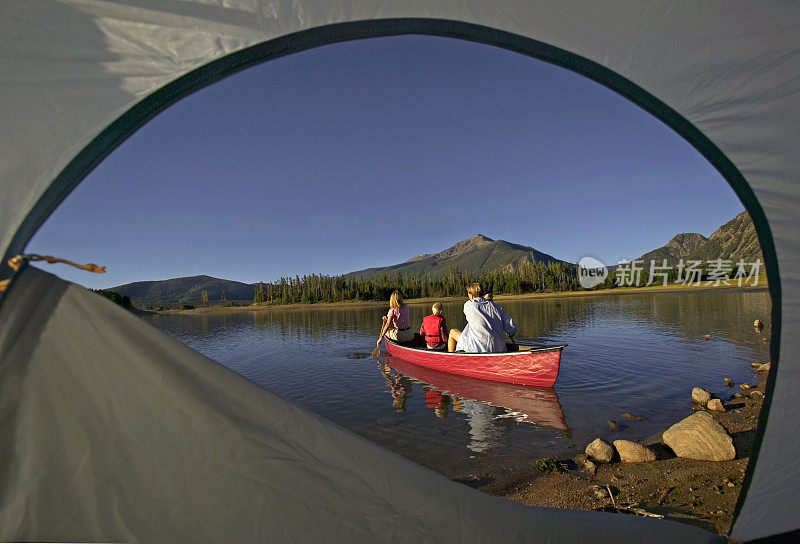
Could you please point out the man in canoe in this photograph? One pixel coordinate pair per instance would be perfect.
(486, 323)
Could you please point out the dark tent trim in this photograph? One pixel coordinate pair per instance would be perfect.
(792, 537)
(141, 113)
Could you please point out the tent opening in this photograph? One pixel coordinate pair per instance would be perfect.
(318, 183)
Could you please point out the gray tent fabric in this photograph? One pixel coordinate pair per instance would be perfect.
(113, 431)
(77, 76)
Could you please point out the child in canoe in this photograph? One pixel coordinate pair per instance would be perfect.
(434, 328)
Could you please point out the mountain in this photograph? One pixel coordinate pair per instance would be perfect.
(734, 240)
(477, 254)
(681, 246)
(186, 290)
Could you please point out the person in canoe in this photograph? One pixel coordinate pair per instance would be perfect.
(486, 323)
(397, 322)
(434, 328)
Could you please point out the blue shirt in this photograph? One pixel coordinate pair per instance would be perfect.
(486, 322)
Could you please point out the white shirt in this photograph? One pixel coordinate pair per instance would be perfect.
(486, 322)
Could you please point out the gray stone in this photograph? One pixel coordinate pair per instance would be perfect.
(700, 396)
(700, 437)
(600, 493)
(599, 450)
(756, 395)
(715, 405)
(631, 452)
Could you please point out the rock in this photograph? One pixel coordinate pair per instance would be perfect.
(763, 368)
(632, 417)
(580, 459)
(755, 364)
(745, 387)
(715, 405)
(613, 424)
(728, 382)
(757, 395)
(764, 340)
(700, 437)
(600, 493)
(758, 324)
(631, 452)
(599, 450)
(706, 337)
(700, 396)
(357, 355)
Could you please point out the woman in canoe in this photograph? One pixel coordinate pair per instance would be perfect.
(397, 322)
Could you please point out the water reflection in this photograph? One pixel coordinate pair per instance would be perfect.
(399, 387)
(490, 407)
(687, 315)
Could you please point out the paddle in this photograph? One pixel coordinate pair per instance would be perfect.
(376, 353)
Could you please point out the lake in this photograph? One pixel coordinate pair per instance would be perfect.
(638, 353)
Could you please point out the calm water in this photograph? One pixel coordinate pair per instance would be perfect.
(630, 353)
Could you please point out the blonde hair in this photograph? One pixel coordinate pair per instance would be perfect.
(436, 308)
(396, 300)
(474, 289)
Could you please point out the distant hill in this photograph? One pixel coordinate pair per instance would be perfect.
(184, 290)
(478, 254)
(734, 240)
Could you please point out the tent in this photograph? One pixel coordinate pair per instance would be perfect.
(111, 431)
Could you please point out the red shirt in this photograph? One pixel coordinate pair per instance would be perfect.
(434, 329)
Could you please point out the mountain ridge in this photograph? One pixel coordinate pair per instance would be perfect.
(477, 254)
(736, 239)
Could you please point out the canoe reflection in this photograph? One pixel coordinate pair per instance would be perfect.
(478, 398)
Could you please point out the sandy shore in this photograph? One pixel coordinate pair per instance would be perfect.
(701, 493)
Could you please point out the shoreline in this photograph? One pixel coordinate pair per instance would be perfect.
(702, 288)
(700, 493)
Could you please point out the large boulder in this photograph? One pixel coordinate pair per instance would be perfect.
(700, 437)
(599, 450)
(631, 452)
(700, 396)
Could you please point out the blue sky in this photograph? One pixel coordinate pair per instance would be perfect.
(369, 152)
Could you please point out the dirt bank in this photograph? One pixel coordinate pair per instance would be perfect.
(702, 493)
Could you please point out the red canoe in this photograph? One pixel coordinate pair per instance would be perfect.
(528, 366)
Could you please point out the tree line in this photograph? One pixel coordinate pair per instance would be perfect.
(524, 278)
